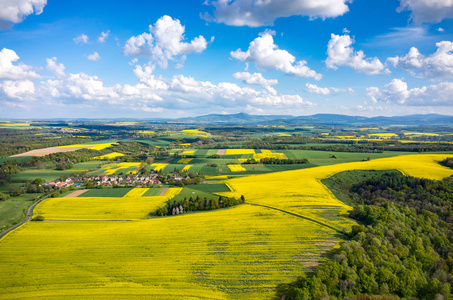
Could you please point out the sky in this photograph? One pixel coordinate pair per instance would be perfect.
(180, 58)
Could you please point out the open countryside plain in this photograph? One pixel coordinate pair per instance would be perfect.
(289, 220)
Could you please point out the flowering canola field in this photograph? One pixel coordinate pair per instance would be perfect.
(301, 191)
(243, 252)
(109, 156)
(236, 168)
(131, 206)
(158, 166)
(186, 168)
(184, 161)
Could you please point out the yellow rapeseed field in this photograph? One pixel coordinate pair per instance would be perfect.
(268, 154)
(239, 151)
(236, 168)
(112, 168)
(421, 133)
(90, 146)
(383, 135)
(186, 168)
(131, 206)
(289, 220)
(109, 156)
(158, 166)
(299, 191)
(238, 253)
(184, 161)
(188, 152)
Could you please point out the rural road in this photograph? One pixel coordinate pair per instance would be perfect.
(27, 217)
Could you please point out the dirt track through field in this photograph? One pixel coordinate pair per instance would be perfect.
(163, 192)
(76, 193)
(45, 151)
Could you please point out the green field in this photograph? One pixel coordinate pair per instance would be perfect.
(106, 192)
(14, 209)
(210, 188)
(153, 192)
(50, 175)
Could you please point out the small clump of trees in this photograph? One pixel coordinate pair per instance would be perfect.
(176, 207)
(277, 161)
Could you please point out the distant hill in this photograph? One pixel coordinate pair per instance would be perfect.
(328, 119)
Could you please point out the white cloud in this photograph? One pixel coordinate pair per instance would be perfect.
(16, 72)
(397, 92)
(57, 69)
(427, 11)
(94, 57)
(437, 65)
(254, 79)
(151, 94)
(15, 11)
(18, 89)
(255, 13)
(340, 53)
(103, 37)
(81, 38)
(314, 89)
(440, 29)
(164, 42)
(265, 54)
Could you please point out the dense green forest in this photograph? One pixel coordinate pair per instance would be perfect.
(402, 247)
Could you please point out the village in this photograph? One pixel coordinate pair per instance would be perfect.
(146, 180)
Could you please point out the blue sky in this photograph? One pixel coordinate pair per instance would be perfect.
(148, 59)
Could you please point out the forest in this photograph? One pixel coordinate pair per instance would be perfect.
(401, 247)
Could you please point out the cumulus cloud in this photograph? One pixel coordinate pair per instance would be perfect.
(15, 11)
(8, 70)
(254, 79)
(427, 11)
(57, 69)
(103, 37)
(397, 92)
(340, 53)
(81, 38)
(20, 89)
(94, 57)
(436, 65)
(255, 13)
(314, 89)
(267, 56)
(440, 29)
(151, 93)
(164, 42)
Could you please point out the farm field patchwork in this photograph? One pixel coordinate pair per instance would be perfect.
(109, 156)
(233, 253)
(131, 206)
(236, 168)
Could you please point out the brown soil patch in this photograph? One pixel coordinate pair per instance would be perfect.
(163, 192)
(45, 151)
(76, 193)
(325, 244)
(310, 263)
(221, 152)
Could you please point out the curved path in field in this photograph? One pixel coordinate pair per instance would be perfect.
(299, 216)
(27, 217)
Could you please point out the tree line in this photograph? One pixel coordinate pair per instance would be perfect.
(401, 249)
(176, 207)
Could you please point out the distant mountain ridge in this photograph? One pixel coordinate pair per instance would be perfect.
(328, 119)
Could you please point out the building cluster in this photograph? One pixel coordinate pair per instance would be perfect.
(106, 180)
